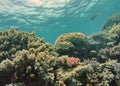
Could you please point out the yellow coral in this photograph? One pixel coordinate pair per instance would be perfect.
(115, 29)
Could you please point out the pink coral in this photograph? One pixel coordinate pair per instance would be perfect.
(72, 61)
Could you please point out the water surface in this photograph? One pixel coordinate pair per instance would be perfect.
(51, 18)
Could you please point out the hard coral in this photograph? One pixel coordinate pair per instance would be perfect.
(115, 29)
(27, 60)
(72, 44)
(12, 41)
(110, 53)
(30, 63)
(113, 34)
(114, 19)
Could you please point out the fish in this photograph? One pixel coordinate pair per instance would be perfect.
(94, 16)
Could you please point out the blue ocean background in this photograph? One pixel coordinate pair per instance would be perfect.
(51, 18)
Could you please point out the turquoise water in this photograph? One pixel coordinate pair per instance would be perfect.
(51, 18)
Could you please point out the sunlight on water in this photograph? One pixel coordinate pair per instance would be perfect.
(47, 17)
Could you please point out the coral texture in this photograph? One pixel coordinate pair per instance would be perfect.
(73, 44)
(114, 19)
(30, 61)
(26, 60)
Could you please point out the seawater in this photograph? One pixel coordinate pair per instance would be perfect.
(51, 18)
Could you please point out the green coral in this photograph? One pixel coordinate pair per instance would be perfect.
(31, 61)
(113, 33)
(72, 44)
(114, 19)
(12, 41)
(27, 60)
(108, 38)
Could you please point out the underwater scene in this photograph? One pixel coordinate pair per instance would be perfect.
(60, 43)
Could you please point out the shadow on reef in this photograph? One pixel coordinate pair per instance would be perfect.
(74, 60)
(73, 44)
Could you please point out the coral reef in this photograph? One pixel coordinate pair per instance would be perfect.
(108, 38)
(113, 20)
(29, 62)
(112, 37)
(67, 61)
(12, 41)
(110, 53)
(113, 34)
(74, 60)
(73, 44)
(115, 29)
(97, 41)
(90, 74)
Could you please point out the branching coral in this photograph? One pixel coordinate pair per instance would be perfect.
(28, 61)
(112, 52)
(12, 41)
(31, 60)
(27, 67)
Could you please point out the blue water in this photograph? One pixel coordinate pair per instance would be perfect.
(51, 18)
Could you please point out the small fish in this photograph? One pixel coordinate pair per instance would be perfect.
(94, 16)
